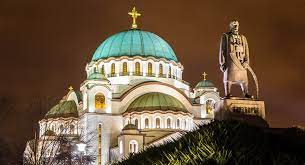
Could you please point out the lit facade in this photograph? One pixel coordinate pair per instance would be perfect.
(134, 97)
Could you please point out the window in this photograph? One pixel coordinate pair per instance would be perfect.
(133, 146)
(169, 71)
(158, 122)
(99, 156)
(113, 69)
(149, 69)
(209, 106)
(121, 147)
(160, 70)
(138, 69)
(99, 101)
(136, 123)
(178, 123)
(102, 70)
(125, 71)
(168, 123)
(72, 129)
(146, 123)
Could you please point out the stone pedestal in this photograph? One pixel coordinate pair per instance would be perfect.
(241, 109)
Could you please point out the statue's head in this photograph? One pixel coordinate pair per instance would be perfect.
(234, 26)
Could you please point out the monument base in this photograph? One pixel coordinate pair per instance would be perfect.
(249, 110)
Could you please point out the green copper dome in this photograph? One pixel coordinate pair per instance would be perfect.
(134, 42)
(156, 101)
(204, 84)
(97, 76)
(63, 109)
(130, 127)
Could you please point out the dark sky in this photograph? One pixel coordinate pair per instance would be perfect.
(46, 44)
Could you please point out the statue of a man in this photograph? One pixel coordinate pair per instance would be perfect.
(234, 59)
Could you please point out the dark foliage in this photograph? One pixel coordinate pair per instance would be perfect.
(228, 142)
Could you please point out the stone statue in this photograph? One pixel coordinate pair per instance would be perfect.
(234, 60)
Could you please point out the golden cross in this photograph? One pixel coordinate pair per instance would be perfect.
(134, 14)
(204, 76)
(70, 88)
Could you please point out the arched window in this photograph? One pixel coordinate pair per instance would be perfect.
(149, 69)
(133, 146)
(113, 69)
(136, 123)
(121, 147)
(209, 106)
(178, 123)
(138, 69)
(102, 70)
(160, 70)
(169, 71)
(146, 121)
(168, 123)
(158, 122)
(72, 129)
(125, 71)
(99, 101)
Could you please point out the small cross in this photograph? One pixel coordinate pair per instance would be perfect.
(70, 88)
(134, 14)
(204, 76)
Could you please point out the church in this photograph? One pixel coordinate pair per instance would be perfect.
(134, 97)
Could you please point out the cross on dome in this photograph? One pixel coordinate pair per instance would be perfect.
(70, 88)
(204, 76)
(134, 14)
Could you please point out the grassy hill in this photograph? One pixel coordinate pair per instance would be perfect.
(228, 142)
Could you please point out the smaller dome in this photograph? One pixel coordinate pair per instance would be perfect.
(130, 127)
(97, 76)
(156, 101)
(63, 109)
(204, 84)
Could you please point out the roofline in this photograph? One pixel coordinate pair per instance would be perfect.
(151, 83)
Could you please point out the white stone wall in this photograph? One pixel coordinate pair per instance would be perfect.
(124, 141)
(111, 127)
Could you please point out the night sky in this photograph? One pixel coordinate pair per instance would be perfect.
(45, 46)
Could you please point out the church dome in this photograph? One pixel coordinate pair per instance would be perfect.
(63, 109)
(130, 127)
(156, 101)
(97, 76)
(204, 84)
(135, 42)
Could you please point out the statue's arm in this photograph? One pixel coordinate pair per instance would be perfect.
(222, 52)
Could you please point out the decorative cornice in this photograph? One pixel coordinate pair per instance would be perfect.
(96, 63)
